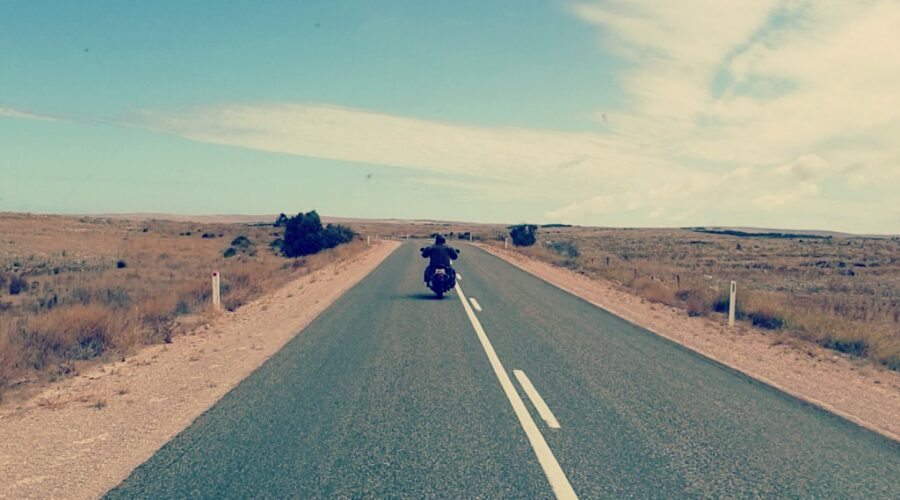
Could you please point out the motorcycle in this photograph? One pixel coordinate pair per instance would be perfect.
(443, 277)
(442, 281)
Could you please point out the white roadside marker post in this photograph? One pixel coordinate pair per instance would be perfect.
(470, 237)
(731, 304)
(506, 243)
(216, 292)
(368, 240)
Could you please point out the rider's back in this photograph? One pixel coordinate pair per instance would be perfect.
(439, 255)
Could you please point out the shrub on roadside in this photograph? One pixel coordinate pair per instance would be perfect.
(654, 291)
(72, 332)
(304, 235)
(766, 320)
(764, 310)
(523, 235)
(242, 242)
(564, 248)
(856, 347)
(721, 305)
(696, 300)
(17, 285)
(10, 351)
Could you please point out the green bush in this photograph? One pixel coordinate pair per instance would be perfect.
(17, 285)
(304, 235)
(766, 320)
(523, 235)
(241, 242)
(230, 252)
(721, 306)
(334, 235)
(852, 347)
(565, 248)
(892, 362)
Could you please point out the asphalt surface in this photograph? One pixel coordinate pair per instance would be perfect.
(390, 393)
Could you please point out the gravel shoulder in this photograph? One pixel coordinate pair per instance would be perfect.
(855, 390)
(82, 436)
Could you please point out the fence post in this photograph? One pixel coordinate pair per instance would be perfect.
(216, 292)
(731, 304)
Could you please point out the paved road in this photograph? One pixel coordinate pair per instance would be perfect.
(392, 394)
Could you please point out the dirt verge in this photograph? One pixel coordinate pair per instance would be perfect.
(855, 390)
(82, 436)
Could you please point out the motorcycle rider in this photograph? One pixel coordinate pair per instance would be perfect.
(440, 255)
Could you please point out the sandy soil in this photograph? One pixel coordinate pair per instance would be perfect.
(80, 437)
(850, 388)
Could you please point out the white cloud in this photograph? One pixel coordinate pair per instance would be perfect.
(598, 205)
(804, 168)
(548, 161)
(780, 199)
(15, 113)
(792, 93)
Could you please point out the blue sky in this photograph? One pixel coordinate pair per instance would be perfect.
(607, 113)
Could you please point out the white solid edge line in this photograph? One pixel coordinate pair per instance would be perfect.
(535, 397)
(475, 304)
(555, 475)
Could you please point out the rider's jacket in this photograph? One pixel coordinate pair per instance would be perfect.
(440, 255)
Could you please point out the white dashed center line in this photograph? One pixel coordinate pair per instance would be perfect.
(475, 304)
(555, 475)
(536, 399)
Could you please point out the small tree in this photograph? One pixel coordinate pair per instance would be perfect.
(304, 235)
(523, 235)
(301, 235)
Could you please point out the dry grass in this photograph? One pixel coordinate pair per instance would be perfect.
(842, 292)
(100, 287)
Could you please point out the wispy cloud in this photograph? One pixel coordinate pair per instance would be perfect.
(514, 155)
(25, 115)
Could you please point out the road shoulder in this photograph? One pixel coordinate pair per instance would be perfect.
(82, 436)
(854, 390)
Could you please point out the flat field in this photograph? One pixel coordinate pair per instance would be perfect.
(840, 292)
(77, 289)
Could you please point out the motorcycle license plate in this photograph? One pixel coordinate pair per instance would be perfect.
(439, 271)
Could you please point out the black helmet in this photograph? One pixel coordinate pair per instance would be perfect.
(439, 240)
